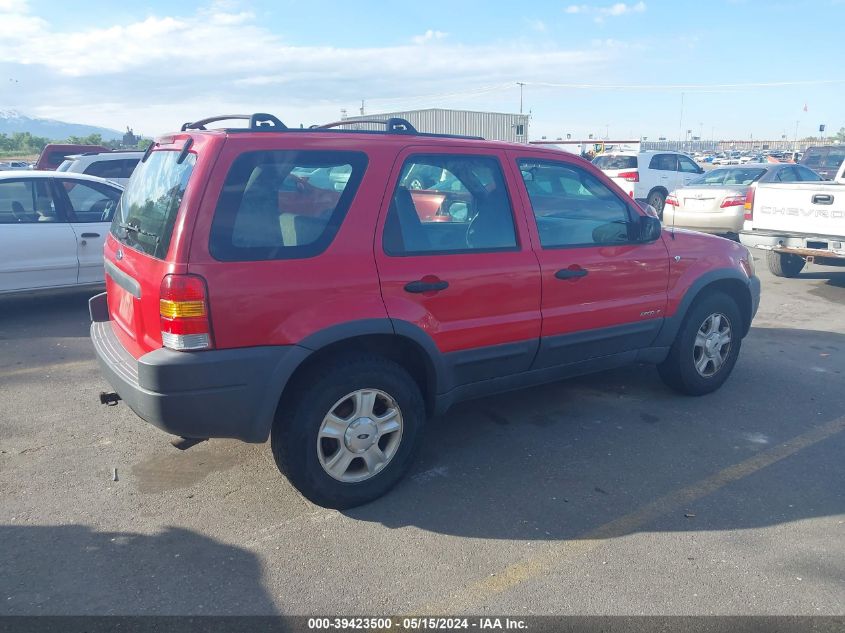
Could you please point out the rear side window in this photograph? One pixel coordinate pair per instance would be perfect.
(105, 169)
(664, 162)
(807, 175)
(615, 162)
(147, 209)
(284, 204)
(27, 201)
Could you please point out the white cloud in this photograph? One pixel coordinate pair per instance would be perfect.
(537, 25)
(165, 69)
(611, 11)
(428, 36)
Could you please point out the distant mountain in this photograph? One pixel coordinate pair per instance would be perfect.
(12, 121)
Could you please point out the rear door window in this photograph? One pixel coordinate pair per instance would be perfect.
(147, 210)
(615, 162)
(664, 162)
(283, 204)
(446, 204)
(27, 201)
(807, 175)
(107, 169)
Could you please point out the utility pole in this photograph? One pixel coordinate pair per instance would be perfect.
(521, 84)
(681, 121)
(362, 107)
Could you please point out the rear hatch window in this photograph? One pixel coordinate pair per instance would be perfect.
(615, 162)
(147, 211)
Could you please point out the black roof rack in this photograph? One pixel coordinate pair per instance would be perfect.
(262, 122)
(258, 121)
(393, 124)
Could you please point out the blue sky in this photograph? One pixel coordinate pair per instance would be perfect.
(153, 65)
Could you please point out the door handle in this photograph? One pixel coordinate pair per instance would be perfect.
(571, 273)
(90, 235)
(426, 286)
(822, 198)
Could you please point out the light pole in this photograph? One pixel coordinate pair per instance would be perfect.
(521, 84)
(795, 145)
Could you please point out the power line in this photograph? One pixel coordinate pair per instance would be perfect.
(769, 84)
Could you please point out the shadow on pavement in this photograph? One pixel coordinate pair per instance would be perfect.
(73, 570)
(53, 315)
(559, 461)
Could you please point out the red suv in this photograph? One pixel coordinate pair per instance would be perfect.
(267, 281)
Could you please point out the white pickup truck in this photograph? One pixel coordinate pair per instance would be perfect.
(797, 223)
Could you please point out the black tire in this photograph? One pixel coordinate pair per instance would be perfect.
(784, 264)
(679, 371)
(657, 199)
(294, 438)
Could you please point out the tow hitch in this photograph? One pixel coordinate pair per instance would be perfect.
(109, 398)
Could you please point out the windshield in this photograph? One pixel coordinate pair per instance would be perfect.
(732, 176)
(615, 162)
(147, 210)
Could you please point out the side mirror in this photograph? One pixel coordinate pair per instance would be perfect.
(650, 228)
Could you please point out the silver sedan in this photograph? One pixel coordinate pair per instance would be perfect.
(715, 202)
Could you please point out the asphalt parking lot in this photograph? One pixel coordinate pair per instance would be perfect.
(607, 494)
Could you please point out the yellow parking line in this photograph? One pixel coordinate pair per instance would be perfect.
(549, 560)
(45, 369)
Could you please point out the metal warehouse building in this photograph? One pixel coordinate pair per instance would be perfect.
(498, 126)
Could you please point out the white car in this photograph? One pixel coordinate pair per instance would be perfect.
(52, 229)
(116, 166)
(649, 175)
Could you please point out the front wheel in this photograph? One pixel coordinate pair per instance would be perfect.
(351, 431)
(784, 264)
(706, 347)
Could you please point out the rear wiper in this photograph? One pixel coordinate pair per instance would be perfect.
(138, 230)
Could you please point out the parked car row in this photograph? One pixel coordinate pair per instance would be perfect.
(715, 201)
(15, 165)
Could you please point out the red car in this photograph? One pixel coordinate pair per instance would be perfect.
(54, 154)
(274, 282)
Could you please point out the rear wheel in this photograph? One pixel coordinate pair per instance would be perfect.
(657, 199)
(784, 264)
(706, 347)
(351, 431)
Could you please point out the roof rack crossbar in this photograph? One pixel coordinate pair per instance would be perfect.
(257, 121)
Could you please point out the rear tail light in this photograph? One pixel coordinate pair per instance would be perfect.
(183, 308)
(733, 201)
(629, 176)
(749, 204)
(672, 201)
